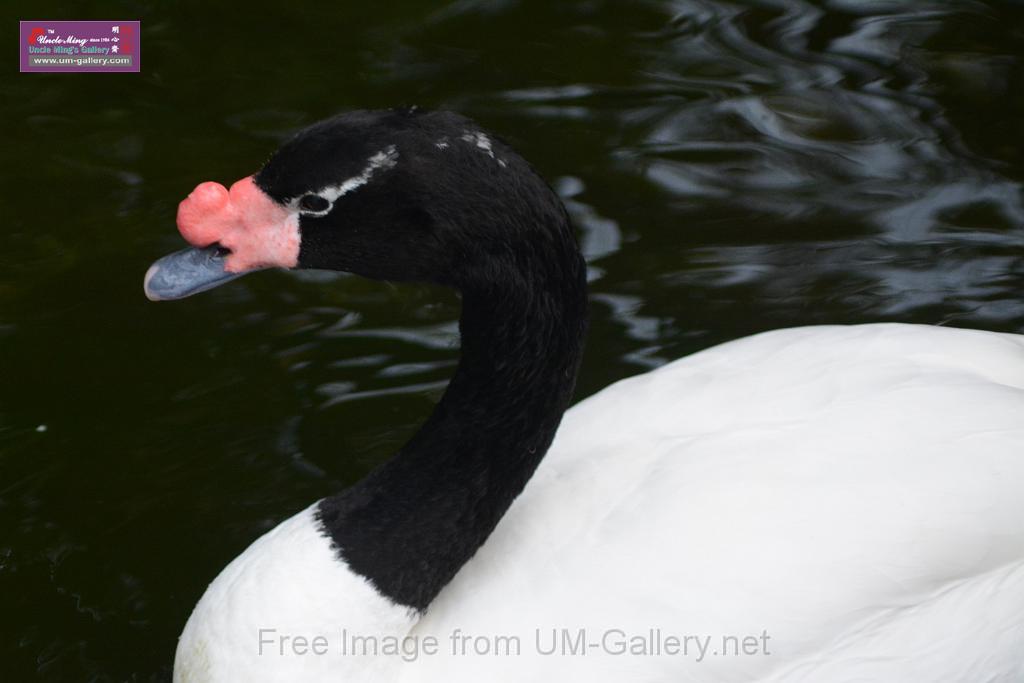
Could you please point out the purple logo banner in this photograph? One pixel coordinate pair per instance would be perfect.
(72, 46)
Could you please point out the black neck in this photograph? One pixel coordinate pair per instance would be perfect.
(415, 520)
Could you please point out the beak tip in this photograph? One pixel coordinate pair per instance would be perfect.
(150, 293)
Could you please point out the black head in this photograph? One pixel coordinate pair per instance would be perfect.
(408, 195)
(396, 195)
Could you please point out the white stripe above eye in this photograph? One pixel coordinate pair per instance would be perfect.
(381, 161)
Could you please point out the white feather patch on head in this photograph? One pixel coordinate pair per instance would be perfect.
(482, 142)
(383, 160)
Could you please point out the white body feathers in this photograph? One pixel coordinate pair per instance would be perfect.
(855, 494)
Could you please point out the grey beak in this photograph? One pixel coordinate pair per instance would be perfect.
(187, 272)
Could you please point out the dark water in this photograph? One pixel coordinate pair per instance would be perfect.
(732, 167)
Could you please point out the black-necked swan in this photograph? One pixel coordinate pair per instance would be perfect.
(813, 504)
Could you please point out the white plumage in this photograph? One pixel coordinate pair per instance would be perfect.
(854, 493)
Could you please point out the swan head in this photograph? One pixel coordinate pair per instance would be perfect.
(396, 195)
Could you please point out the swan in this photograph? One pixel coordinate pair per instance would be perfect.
(836, 503)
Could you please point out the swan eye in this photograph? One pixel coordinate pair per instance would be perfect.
(314, 203)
